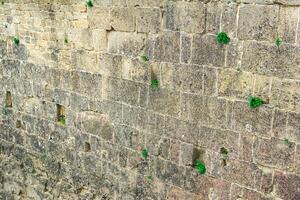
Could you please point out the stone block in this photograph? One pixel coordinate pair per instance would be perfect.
(188, 154)
(99, 39)
(96, 124)
(206, 51)
(275, 153)
(261, 26)
(265, 59)
(124, 91)
(90, 84)
(185, 16)
(129, 137)
(176, 193)
(122, 19)
(164, 101)
(286, 185)
(254, 121)
(167, 47)
(288, 20)
(285, 94)
(148, 20)
(293, 127)
(99, 17)
(130, 44)
(185, 48)
(235, 84)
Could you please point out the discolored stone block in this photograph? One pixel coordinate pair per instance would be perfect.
(122, 19)
(99, 14)
(235, 84)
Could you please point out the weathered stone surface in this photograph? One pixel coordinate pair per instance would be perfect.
(206, 51)
(286, 186)
(270, 60)
(148, 20)
(261, 26)
(185, 16)
(275, 153)
(122, 19)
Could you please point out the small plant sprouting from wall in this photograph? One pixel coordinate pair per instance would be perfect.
(278, 41)
(224, 153)
(44, 157)
(287, 142)
(16, 40)
(200, 166)
(149, 178)
(255, 102)
(222, 38)
(144, 58)
(89, 3)
(61, 117)
(66, 40)
(2, 2)
(144, 153)
(154, 84)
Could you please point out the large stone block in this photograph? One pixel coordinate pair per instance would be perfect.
(287, 185)
(235, 84)
(288, 20)
(262, 24)
(125, 91)
(130, 44)
(206, 51)
(275, 153)
(164, 101)
(254, 121)
(185, 16)
(148, 20)
(122, 19)
(167, 47)
(99, 17)
(269, 60)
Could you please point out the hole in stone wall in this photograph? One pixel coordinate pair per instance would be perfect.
(87, 147)
(8, 100)
(18, 124)
(60, 113)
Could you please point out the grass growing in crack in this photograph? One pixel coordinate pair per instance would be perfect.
(66, 40)
(154, 84)
(62, 120)
(144, 58)
(149, 178)
(222, 38)
(89, 3)
(287, 142)
(278, 41)
(144, 153)
(16, 40)
(200, 166)
(255, 102)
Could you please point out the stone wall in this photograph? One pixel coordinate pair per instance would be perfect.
(78, 107)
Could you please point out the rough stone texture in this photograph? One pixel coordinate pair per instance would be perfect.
(78, 108)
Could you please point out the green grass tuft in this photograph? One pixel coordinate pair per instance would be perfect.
(222, 38)
(154, 84)
(16, 40)
(144, 58)
(89, 3)
(278, 41)
(144, 153)
(62, 120)
(149, 178)
(200, 166)
(255, 102)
